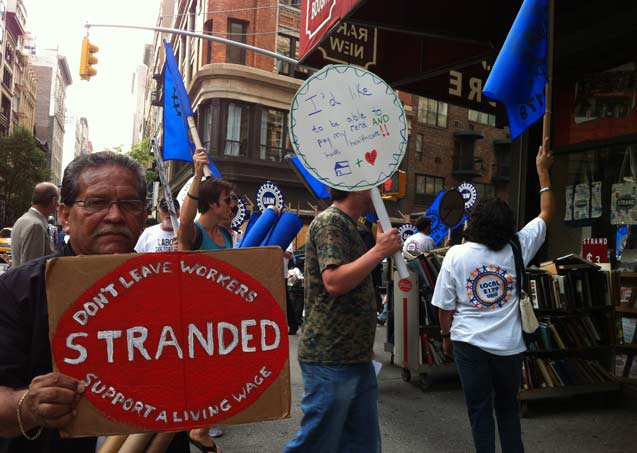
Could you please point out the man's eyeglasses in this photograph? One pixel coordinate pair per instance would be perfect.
(95, 205)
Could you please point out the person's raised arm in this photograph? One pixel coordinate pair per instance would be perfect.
(187, 231)
(344, 278)
(544, 162)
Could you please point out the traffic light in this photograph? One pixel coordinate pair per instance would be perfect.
(87, 59)
(395, 187)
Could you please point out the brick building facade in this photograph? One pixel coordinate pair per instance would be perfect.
(241, 99)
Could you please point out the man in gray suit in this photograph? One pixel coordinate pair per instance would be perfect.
(30, 234)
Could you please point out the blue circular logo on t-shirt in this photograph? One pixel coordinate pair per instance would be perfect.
(489, 287)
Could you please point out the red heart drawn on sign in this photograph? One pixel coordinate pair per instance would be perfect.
(370, 156)
(169, 341)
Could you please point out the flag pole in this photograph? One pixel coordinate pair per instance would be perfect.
(546, 125)
(195, 138)
(161, 170)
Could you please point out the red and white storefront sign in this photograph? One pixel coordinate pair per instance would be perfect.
(318, 17)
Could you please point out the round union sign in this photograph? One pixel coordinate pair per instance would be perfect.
(406, 230)
(242, 214)
(168, 341)
(269, 194)
(469, 194)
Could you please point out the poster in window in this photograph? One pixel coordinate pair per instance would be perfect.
(623, 204)
(596, 199)
(597, 106)
(568, 196)
(581, 201)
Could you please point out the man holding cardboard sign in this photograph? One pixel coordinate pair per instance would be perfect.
(103, 210)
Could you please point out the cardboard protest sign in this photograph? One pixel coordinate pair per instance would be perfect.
(171, 341)
(349, 130)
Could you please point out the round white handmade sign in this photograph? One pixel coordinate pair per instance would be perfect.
(348, 127)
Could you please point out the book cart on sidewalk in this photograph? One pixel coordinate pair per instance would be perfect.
(572, 353)
(413, 333)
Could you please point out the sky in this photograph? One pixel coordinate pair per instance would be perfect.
(106, 101)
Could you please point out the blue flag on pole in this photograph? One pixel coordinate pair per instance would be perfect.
(177, 144)
(518, 77)
(318, 188)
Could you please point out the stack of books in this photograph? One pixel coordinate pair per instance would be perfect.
(431, 351)
(569, 333)
(540, 373)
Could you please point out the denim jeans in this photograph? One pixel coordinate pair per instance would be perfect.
(491, 382)
(340, 413)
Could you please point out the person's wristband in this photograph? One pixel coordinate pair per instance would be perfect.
(18, 411)
(445, 335)
(545, 189)
(192, 196)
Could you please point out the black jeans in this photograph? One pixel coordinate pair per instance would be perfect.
(491, 382)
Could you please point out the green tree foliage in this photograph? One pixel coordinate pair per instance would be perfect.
(142, 153)
(22, 166)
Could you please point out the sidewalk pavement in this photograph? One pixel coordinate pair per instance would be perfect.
(435, 420)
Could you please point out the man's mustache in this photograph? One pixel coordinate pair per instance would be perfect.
(114, 231)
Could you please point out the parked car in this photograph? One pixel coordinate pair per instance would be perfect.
(5, 240)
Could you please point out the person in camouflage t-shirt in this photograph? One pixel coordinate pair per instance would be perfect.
(335, 350)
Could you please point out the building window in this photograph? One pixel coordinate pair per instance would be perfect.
(237, 127)
(272, 143)
(482, 118)
(293, 3)
(207, 29)
(484, 190)
(432, 113)
(236, 32)
(427, 185)
(206, 126)
(418, 147)
(7, 78)
(9, 54)
(287, 45)
(232, 129)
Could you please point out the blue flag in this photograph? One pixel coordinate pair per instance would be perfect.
(518, 77)
(177, 142)
(317, 187)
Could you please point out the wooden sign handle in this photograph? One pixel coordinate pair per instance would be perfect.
(195, 138)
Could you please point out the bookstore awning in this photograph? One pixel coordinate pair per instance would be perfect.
(433, 49)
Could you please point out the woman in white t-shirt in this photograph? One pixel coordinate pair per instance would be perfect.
(479, 312)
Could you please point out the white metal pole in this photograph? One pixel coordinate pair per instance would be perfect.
(383, 218)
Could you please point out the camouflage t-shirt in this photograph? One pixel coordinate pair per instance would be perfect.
(338, 330)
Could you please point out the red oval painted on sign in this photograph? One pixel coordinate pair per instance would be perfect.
(405, 285)
(170, 341)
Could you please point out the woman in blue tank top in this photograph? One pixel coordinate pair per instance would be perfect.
(212, 197)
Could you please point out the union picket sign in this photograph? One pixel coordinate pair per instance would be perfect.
(171, 341)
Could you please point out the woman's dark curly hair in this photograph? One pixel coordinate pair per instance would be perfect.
(490, 223)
